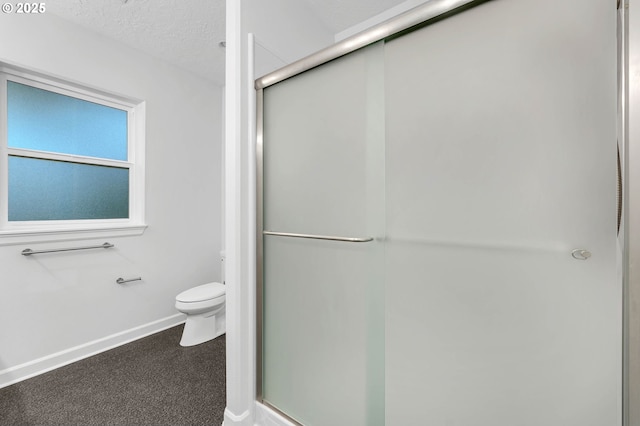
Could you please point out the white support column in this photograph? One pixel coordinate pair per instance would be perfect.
(240, 410)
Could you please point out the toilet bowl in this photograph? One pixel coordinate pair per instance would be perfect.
(205, 309)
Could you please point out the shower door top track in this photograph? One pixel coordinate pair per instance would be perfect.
(417, 16)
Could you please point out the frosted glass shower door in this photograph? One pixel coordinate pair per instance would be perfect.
(501, 156)
(323, 322)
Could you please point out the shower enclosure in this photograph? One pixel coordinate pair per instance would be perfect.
(437, 222)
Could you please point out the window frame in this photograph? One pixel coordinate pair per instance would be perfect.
(16, 232)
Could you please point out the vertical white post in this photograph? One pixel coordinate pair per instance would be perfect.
(250, 367)
(240, 325)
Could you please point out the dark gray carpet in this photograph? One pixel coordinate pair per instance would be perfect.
(152, 381)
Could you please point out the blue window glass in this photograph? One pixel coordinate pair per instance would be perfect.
(46, 121)
(57, 190)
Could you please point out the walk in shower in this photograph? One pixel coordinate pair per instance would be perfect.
(437, 222)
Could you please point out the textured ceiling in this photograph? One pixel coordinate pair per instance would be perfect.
(183, 32)
(187, 33)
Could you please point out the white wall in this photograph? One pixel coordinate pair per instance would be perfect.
(56, 302)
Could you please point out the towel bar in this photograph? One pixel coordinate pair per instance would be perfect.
(29, 252)
(320, 237)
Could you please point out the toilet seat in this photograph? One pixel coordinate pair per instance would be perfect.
(201, 293)
(200, 306)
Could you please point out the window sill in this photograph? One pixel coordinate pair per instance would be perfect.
(14, 237)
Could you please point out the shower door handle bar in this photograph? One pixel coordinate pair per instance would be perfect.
(320, 237)
(122, 280)
(29, 252)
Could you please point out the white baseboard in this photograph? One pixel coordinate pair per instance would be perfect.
(38, 366)
(265, 416)
(232, 419)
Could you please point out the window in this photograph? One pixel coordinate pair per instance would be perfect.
(72, 160)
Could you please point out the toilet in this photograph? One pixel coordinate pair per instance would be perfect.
(205, 309)
(204, 306)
